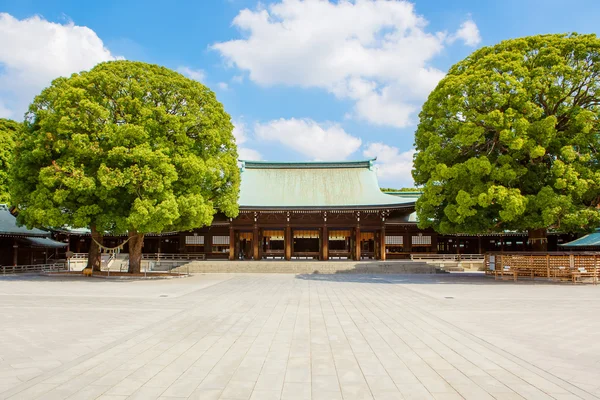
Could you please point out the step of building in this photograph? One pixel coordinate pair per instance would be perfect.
(309, 267)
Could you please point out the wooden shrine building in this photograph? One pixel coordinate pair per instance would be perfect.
(22, 246)
(316, 210)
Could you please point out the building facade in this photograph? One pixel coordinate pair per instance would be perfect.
(317, 210)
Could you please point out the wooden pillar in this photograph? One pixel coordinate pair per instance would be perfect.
(231, 243)
(208, 241)
(357, 243)
(479, 244)
(324, 243)
(182, 246)
(15, 252)
(255, 243)
(382, 244)
(288, 243)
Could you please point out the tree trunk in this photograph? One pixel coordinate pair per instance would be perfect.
(94, 257)
(538, 239)
(136, 240)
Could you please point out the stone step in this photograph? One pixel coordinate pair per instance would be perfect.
(309, 267)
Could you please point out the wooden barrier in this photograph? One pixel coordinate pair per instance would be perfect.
(560, 266)
(20, 269)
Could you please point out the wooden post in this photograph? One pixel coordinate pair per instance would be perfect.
(382, 244)
(479, 244)
(324, 243)
(255, 243)
(15, 252)
(288, 243)
(231, 243)
(208, 241)
(158, 248)
(548, 265)
(357, 243)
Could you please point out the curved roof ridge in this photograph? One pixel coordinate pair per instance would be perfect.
(248, 164)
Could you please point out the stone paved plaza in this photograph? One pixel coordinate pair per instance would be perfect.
(320, 337)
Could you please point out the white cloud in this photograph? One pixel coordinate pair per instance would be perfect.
(223, 85)
(34, 51)
(393, 167)
(248, 154)
(323, 142)
(195, 74)
(376, 53)
(468, 33)
(241, 137)
(237, 79)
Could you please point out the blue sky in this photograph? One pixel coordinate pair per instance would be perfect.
(302, 80)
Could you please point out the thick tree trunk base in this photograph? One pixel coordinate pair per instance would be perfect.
(538, 239)
(136, 240)
(94, 254)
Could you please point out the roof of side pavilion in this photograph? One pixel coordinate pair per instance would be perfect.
(589, 240)
(9, 227)
(314, 185)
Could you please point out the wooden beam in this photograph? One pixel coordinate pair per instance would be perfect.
(324, 244)
(357, 243)
(15, 252)
(382, 243)
(231, 243)
(255, 246)
(288, 243)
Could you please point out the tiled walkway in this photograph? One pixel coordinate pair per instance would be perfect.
(298, 337)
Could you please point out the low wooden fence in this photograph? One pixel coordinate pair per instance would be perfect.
(175, 256)
(447, 257)
(561, 266)
(20, 269)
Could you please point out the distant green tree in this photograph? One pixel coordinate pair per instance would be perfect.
(126, 147)
(8, 131)
(400, 190)
(510, 139)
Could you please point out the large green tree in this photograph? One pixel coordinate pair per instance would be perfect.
(8, 131)
(509, 139)
(127, 147)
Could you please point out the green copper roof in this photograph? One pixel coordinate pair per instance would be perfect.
(278, 185)
(592, 239)
(8, 225)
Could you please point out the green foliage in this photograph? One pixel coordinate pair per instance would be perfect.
(509, 139)
(127, 146)
(8, 131)
(400, 190)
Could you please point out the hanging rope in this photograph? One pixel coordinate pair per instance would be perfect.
(111, 249)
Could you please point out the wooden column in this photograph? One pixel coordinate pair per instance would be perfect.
(231, 243)
(255, 243)
(408, 241)
(15, 252)
(288, 243)
(357, 243)
(382, 244)
(208, 241)
(324, 243)
(182, 246)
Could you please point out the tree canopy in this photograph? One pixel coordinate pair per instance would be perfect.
(509, 139)
(8, 131)
(126, 147)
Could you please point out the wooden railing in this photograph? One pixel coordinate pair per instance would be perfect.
(173, 256)
(19, 269)
(556, 265)
(448, 257)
